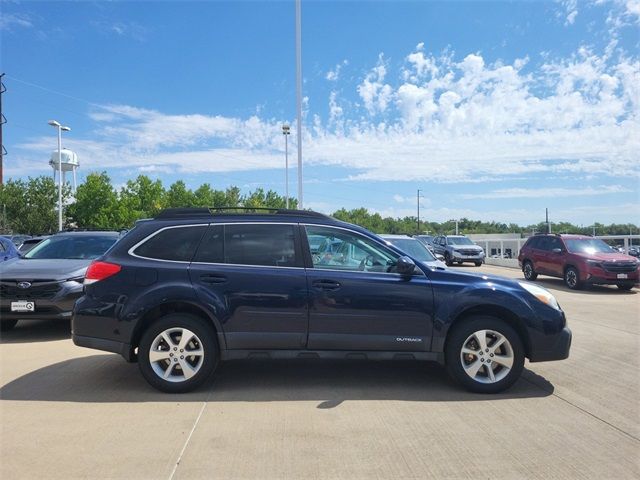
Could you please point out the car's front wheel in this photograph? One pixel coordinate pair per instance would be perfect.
(572, 278)
(447, 259)
(177, 353)
(625, 286)
(484, 354)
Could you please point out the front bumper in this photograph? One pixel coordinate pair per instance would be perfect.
(57, 308)
(559, 350)
(606, 278)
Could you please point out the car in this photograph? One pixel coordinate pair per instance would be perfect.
(17, 239)
(47, 280)
(415, 248)
(29, 243)
(458, 249)
(8, 250)
(427, 240)
(193, 287)
(579, 260)
(634, 251)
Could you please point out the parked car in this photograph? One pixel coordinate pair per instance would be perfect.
(8, 250)
(458, 249)
(17, 239)
(634, 251)
(47, 280)
(29, 243)
(415, 249)
(189, 288)
(579, 260)
(427, 240)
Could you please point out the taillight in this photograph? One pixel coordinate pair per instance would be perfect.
(99, 271)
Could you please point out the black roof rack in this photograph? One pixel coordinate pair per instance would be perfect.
(184, 213)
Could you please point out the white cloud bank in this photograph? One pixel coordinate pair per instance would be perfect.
(444, 120)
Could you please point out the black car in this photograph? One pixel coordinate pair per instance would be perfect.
(47, 280)
(29, 243)
(192, 287)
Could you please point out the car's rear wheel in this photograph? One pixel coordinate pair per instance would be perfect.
(572, 278)
(478, 264)
(625, 286)
(177, 353)
(6, 325)
(484, 354)
(528, 271)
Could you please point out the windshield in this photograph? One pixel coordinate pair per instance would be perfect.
(459, 241)
(414, 248)
(587, 245)
(85, 247)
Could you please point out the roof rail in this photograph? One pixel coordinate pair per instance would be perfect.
(178, 213)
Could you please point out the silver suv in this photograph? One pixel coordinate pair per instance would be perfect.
(458, 249)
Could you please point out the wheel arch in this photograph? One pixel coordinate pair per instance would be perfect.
(177, 306)
(495, 311)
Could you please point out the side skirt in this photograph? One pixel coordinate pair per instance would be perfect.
(330, 354)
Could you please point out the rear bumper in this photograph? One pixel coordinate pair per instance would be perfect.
(123, 349)
(559, 349)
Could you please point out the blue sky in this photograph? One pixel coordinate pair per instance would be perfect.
(495, 110)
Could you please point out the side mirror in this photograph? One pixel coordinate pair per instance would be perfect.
(405, 266)
(557, 250)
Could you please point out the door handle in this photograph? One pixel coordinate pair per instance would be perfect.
(326, 284)
(213, 279)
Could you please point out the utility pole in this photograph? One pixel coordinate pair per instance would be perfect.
(547, 220)
(299, 96)
(418, 200)
(456, 227)
(3, 120)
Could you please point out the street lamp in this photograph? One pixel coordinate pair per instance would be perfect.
(286, 131)
(60, 128)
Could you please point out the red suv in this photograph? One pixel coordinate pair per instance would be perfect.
(579, 260)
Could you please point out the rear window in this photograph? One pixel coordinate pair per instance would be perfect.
(177, 244)
(250, 244)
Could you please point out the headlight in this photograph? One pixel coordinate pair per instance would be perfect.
(541, 294)
(594, 263)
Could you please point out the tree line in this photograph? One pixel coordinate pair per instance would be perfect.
(30, 206)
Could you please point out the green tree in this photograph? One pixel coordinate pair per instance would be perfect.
(96, 205)
(179, 196)
(140, 198)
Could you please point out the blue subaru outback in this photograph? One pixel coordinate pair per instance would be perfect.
(193, 287)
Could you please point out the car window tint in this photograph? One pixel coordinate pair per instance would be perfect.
(211, 248)
(176, 244)
(554, 243)
(269, 245)
(350, 251)
(543, 243)
(2, 247)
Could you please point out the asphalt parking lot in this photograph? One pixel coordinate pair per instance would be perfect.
(68, 412)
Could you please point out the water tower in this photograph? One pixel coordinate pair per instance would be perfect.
(69, 164)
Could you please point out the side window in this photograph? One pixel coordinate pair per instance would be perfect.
(350, 251)
(176, 244)
(532, 242)
(2, 247)
(211, 248)
(269, 245)
(555, 243)
(543, 244)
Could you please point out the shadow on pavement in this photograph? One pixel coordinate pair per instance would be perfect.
(107, 378)
(28, 331)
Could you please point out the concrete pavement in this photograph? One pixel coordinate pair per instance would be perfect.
(67, 412)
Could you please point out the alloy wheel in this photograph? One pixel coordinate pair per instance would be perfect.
(176, 354)
(487, 356)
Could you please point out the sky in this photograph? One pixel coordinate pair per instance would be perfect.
(493, 110)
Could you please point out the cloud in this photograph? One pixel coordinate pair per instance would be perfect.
(549, 192)
(375, 94)
(334, 75)
(11, 21)
(445, 119)
(569, 11)
(120, 28)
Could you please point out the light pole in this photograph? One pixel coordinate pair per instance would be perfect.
(299, 97)
(418, 197)
(286, 131)
(60, 128)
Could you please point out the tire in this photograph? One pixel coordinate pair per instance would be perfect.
(625, 286)
(197, 368)
(478, 264)
(528, 271)
(467, 334)
(572, 278)
(447, 259)
(6, 325)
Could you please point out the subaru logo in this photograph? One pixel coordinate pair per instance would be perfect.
(24, 284)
